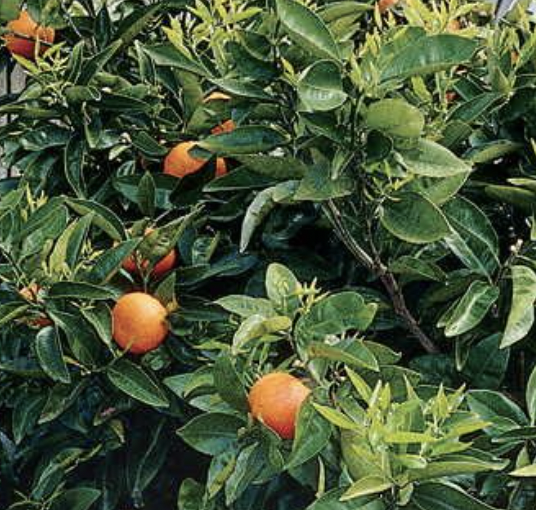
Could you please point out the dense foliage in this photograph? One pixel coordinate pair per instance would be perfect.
(371, 231)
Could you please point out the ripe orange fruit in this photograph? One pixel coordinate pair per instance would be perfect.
(228, 125)
(276, 399)
(139, 322)
(23, 34)
(224, 127)
(180, 163)
(385, 5)
(451, 96)
(31, 293)
(163, 266)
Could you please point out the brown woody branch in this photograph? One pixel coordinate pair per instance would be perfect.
(387, 278)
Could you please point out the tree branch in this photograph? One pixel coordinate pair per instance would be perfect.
(385, 276)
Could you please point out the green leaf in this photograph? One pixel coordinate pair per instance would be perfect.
(471, 308)
(320, 87)
(430, 159)
(241, 88)
(486, 365)
(427, 55)
(356, 354)
(108, 263)
(318, 185)
(408, 438)
(337, 314)
(421, 269)
(104, 218)
(262, 205)
(9, 10)
(307, 29)
(524, 472)
(80, 290)
(366, 486)
(245, 306)
(530, 396)
(312, 436)
(50, 355)
(521, 316)
(495, 408)
(256, 327)
(281, 168)
(245, 140)
(74, 155)
(191, 495)
(491, 151)
(439, 496)
(97, 62)
(60, 398)
(282, 288)
(12, 311)
(80, 498)
(332, 500)
(441, 469)
(212, 433)
(229, 384)
(395, 117)
(132, 380)
(472, 237)
(248, 465)
(439, 190)
(414, 219)
(100, 317)
(336, 417)
(151, 458)
(169, 56)
(147, 194)
(25, 415)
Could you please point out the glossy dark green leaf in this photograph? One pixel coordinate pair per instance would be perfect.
(168, 55)
(229, 384)
(395, 117)
(74, 156)
(313, 432)
(430, 159)
(245, 140)
(414, 219)
(147, 195)
(472, 237)
(438, 496)
(521, 315)
(501, 412)
(307, 29)
(132, 380)
(105, 219)
(80, 290)
(429, 55)
(107, 264)
(211, 433)
(320, 86)
(50, 355)
(471, 309)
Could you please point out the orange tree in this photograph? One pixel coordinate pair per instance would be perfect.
(381, 153)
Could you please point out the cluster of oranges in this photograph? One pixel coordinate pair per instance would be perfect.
(140, 320)
(179, 162)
